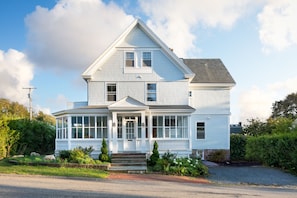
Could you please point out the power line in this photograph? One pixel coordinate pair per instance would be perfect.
(30, 99)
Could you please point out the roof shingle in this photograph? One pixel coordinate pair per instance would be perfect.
(209, 71)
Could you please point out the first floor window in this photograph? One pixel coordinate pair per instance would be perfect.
(101, 127)
(88, 127)
(76, 126)
(120, 127)
(62, 128)
(170, 126)
(200, 130)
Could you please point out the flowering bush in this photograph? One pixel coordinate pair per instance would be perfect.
(171, 164)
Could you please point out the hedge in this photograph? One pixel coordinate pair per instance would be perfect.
(237, 147)
(274, 150)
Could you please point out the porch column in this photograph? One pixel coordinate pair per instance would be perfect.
(69, 131)
(114, 127)
(143, 132)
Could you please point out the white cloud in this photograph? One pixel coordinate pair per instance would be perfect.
(16, 72)
(174, 20)
(73, 33)
(257, 101)
(278, 25)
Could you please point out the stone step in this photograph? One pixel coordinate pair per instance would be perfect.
(129, 169)
(128, 162)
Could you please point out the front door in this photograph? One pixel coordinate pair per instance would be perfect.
(130, 141)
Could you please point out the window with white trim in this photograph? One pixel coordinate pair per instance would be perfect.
(200, 130)
(76, 127)
(151, 92)
(89, 127)
(170, 126)
(62, 128)
(146, 59)
(101, 127)
(129, 59)
(111, 91)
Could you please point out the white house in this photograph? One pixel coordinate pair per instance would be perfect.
(140, 92)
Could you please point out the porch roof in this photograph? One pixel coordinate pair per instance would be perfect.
(95, 109)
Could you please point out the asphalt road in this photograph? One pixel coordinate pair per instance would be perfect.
(256, 175)
(12, 186)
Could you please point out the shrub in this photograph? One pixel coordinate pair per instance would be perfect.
(155, 156)
(277, 150)
(237, 147)
(103, 156)
(217, 156)
(78, 155)
(64, 154)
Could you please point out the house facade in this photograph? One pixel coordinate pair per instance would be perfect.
(140, 92)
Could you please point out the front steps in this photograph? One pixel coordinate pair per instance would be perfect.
(128, 162)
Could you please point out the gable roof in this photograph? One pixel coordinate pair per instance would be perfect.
(87, 74)
(127, 103)
(209, 71)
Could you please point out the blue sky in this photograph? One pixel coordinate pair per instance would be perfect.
(48, 44)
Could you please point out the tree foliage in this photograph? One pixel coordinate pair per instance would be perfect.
(19, 135)
(8, 137)
(285, 108)
(155, 155)
(14, 109)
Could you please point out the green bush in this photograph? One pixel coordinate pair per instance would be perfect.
(217, 156)
(64, 154)
(155, 156)
(278, 150)
(103, 156)
(81, 156)
(237, 147)
(170, 164)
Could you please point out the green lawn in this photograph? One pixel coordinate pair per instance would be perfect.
(7, 168)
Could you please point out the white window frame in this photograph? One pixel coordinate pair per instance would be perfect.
(151, 92)
(134, 59)
(107, 93)
(201, 131)
(142, 59)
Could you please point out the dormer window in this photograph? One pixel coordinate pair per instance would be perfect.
(130, 62)
(146, 59)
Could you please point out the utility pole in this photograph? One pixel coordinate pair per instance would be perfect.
(30, 99)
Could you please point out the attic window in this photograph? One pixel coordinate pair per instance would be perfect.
(130, 59)
(146, 59)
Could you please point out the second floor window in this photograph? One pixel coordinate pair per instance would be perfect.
(111, 92)
(146, 59)
(151, 92)
(130, 59)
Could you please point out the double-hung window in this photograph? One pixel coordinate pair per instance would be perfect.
(111, 92)
(151, 92)
(130, 62)
(200, 130)
(146, 59)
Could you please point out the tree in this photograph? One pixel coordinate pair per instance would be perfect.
(155, 156)
(14, 109)
(8, 137)
(35, 136)
(103, 156)
(256, 127)
(285, 108)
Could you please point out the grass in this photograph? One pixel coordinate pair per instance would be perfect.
(8, 168)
